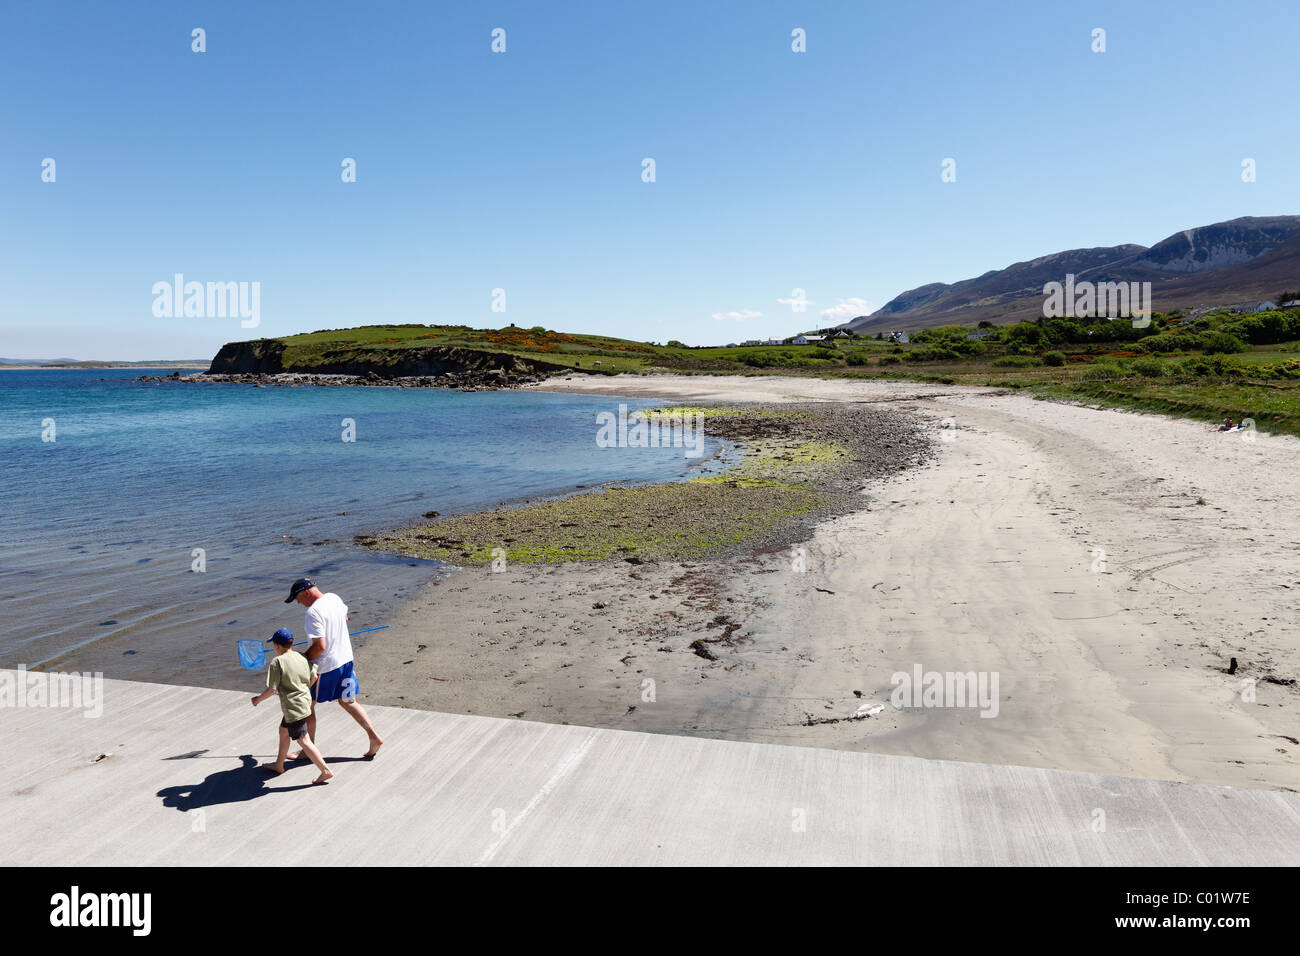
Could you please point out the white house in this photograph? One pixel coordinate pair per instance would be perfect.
(900, 337)
(805, 340)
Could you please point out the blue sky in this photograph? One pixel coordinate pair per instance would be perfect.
(775, 170)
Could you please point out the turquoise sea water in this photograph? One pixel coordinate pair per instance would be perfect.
(99, 527)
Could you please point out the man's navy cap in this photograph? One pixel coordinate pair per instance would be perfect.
(282, 636)
(302, 584)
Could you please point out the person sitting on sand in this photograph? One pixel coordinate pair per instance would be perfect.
(331, 651)
(291, 676)
(1227, 425)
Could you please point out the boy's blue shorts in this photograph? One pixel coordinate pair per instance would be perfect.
(338, 684)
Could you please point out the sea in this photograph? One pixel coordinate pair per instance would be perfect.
(145, 527)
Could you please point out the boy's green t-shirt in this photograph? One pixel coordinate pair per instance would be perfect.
(290, 675)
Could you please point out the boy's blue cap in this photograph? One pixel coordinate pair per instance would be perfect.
(282, 636)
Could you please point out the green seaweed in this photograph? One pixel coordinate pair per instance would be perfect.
(775, 481)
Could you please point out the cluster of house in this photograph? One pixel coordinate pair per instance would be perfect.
(1266, 305)
(821, 337)
(1262, 306)
(817, 338)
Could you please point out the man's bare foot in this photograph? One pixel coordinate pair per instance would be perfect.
(374, 748)
(274, 768)
(325, 777)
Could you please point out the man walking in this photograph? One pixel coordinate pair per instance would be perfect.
(331, 652)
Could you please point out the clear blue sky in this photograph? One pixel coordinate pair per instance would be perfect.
(522, 170)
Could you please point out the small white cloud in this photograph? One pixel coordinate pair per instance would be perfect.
(848, 309)
(740, 316)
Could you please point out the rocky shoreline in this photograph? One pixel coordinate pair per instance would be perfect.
(468, 380)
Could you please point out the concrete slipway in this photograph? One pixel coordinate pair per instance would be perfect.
(179, 786)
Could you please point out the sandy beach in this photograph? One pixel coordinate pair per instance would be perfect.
(1105, 566)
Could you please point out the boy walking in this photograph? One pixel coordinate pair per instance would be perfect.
(290, 676)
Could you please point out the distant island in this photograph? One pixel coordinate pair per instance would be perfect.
(94, 363)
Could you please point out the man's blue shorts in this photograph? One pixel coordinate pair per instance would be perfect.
(338, 684)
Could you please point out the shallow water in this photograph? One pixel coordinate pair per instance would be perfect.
(99, 529)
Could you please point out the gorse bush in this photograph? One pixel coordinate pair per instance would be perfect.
(782, 358)
(1076, 331)
(1266, 328)
(1054, 359)
(932, 353)
(1178, 342)
(1016, 361)
(1022, 334)
(940, 335)
(950, 337)
(1205, 366)
(1101, 372)
(1221, 343)
(1146, 367)
(765, 359)
(1214, 343)
(891, 360)
(1288, 369)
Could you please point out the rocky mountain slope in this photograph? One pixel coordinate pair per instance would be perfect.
(1244, 259)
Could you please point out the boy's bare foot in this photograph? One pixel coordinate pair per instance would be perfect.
(325, 777)
(374, 749)
(297, 755)
(274, 768)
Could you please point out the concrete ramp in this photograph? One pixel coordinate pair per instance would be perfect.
(167, 775)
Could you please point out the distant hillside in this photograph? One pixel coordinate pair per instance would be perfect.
(96, 363)
(1245, 259)
(1015, 280)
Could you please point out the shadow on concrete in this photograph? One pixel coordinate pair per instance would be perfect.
(245, 782)
(236, 785)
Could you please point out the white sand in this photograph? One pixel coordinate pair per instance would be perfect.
(983, 561)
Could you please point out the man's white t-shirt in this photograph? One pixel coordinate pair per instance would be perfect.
(328, 618)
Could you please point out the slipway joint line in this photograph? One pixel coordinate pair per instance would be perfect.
(566, 766)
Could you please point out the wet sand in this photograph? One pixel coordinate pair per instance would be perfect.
(1105, 565)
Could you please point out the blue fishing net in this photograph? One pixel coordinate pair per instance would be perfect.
(251, 652)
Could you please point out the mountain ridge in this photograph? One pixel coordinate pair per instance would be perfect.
(1251, 257)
